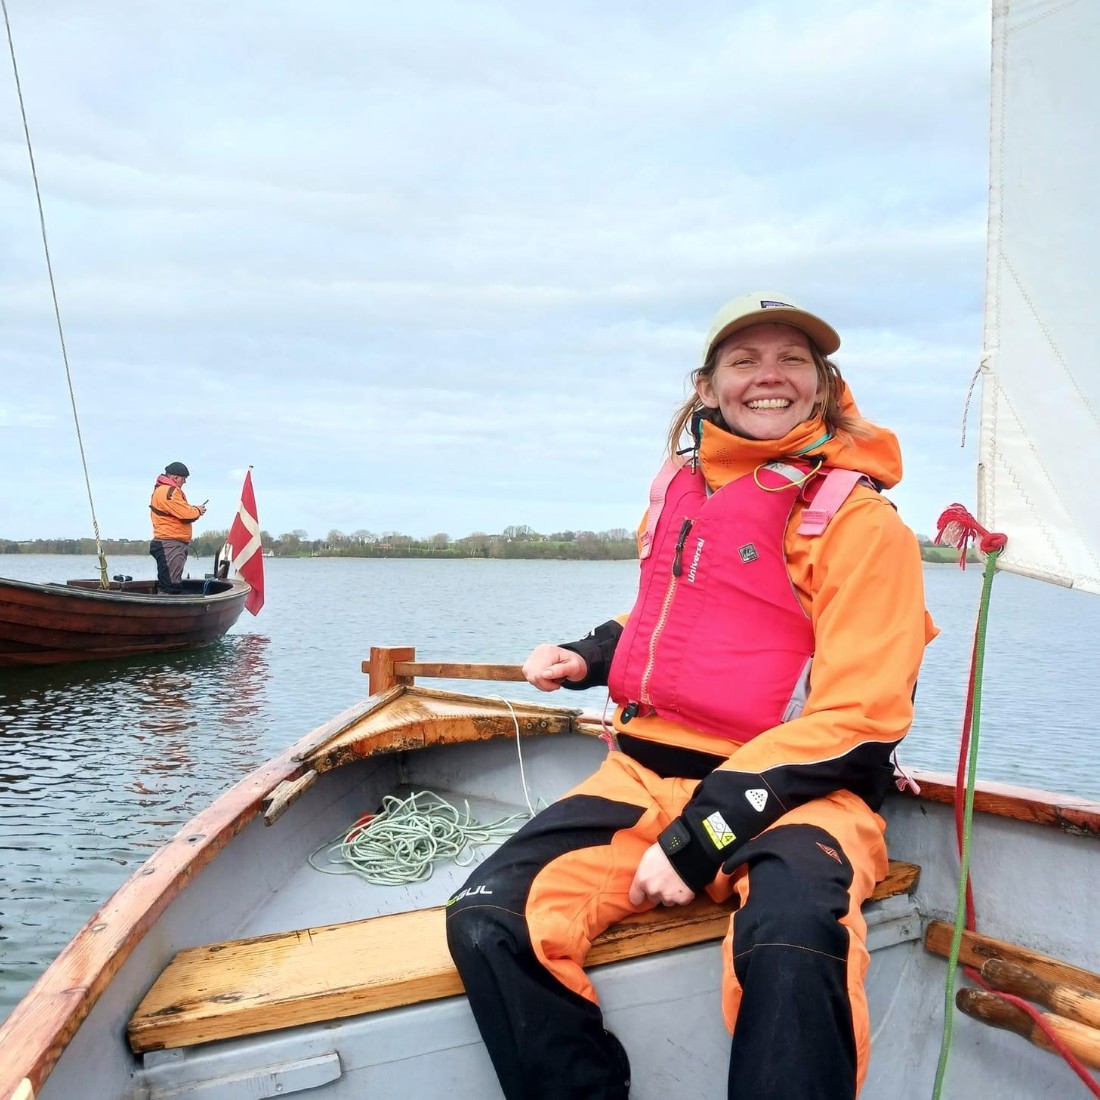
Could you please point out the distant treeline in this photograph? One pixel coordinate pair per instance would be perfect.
(513, 542)
(929, 552)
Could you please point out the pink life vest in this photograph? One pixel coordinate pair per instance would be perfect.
(717, 639)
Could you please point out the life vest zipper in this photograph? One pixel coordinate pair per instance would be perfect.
(677, 568)
(677, 561)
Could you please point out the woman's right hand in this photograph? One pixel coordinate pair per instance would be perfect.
(549, 664)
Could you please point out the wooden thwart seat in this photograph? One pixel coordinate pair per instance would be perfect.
(243, 987)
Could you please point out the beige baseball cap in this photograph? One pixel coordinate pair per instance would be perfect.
(760, 307)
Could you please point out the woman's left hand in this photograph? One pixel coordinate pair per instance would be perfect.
(656, 880)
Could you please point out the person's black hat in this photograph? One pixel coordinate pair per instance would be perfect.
(177, 469)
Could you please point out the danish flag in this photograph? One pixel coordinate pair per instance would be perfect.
(245, 551)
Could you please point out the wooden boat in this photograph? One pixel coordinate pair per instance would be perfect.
(50, 624)
(229, 967)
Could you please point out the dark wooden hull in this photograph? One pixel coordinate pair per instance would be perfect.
(51, 624)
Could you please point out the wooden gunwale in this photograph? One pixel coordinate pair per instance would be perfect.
(1070, 813)
(30, 593)
(42, 1024)
(40, 1027)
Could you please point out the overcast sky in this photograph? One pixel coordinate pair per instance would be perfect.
(445, 267)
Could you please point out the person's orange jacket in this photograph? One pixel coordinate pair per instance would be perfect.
(172, 515)
(861, 582)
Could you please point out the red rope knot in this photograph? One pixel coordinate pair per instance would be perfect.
(957, 527)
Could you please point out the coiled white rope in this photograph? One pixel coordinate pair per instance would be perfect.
(404, 842)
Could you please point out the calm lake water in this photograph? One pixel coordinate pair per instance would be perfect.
(101, 764)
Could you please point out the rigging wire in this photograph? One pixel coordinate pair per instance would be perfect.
(53, 291)
(966, 406)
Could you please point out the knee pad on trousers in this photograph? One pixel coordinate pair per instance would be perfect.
(470, 930)
(798, 891)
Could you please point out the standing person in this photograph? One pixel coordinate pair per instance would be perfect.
(172, 519)
(763, 680)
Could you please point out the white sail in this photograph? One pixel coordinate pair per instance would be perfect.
(1040, 436)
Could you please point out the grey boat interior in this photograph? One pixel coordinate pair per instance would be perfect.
(1031, 884)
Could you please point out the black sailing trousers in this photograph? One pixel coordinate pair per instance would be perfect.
(793, 961)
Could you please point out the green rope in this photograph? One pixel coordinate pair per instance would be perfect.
(403, 842)
(968, 815)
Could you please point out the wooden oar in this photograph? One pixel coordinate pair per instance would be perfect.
(458, 671)
(390, 665)
(977, 950)
(1066, 1000)
(1081, 1040)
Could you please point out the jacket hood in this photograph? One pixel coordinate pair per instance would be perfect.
(725, 456)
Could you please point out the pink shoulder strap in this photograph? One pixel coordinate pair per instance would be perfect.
(657, 493)
(832, 493)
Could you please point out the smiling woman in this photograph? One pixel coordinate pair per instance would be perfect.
(731, 793)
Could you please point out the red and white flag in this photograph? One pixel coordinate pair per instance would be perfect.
(246, 554)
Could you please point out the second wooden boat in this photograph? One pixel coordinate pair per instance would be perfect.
(50, 624)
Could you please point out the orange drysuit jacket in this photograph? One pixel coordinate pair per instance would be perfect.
(172, 515)
(861, 583)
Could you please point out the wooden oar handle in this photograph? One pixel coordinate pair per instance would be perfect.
(392, 665)
(1066, 1000)
(1081, 1040)
(997, 1013)
(453, 671)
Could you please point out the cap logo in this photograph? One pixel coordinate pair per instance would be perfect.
(776, 305)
